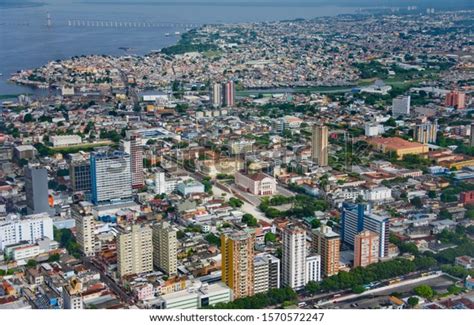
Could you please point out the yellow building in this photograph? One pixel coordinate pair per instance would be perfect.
(237, 262)
(459, 164)
(398, 145)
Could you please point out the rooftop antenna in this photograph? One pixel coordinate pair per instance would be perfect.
(49, 23)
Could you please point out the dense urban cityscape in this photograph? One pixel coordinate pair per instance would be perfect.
(322, 163)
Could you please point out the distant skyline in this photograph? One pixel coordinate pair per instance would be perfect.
(353, 3)
(277, 3)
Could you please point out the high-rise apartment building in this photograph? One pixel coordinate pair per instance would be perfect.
(132, 145)
(85, 226)
(111, 177)
(366, 248)
(266, 273)
(237, 251)
(260, 275)
(401, 106)
(319, 145)
(456, 99)
(134, 250)
(426, 133)
(358, 217)
(165, 246)
(313, 268)
(36, 188)
(293, 257)
(216, 95)
(327, 244)
(229, 94)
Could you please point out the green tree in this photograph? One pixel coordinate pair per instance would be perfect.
(249, 220)
(54, 258)
(213, 239)
(315, 223)
(28, 118)
(270, 237)
(235, 202)
(413, 301)
(358, 289)
(312, 287)
(424, 291)
(31, 263)
(445, 214)
(417, 202)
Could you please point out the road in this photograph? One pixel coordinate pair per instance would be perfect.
(246, 207)
(385, 289)
(119, 292)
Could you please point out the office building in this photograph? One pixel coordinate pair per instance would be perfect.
(266, 273)
(229, 94)
(319, 145)
(165, 245)
(82, 213)
(380, 226)
(352, 221)
(237, 251)
(111, 177)
(313, 268)
(356, 218)
(456, 99)
(216, 95)
(29, 229)
(366, 248)
(132, 145)
(326, 243)
(426, 133)
(80, 173)
(293, 257)
(134, 250)
(36, 188)
(401, 106)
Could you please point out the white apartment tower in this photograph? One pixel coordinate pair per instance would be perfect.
(294, 257)
(313, 268)
(216, 95)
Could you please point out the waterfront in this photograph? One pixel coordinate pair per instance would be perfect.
(27, 41)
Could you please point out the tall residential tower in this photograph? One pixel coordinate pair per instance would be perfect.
(237, 251)
(319, 145)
